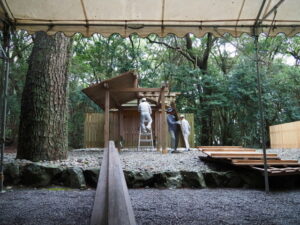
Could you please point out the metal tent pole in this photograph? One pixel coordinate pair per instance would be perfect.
(261, 115)
(5, 74)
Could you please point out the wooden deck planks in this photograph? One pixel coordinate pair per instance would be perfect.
(275, 171)
(250, 158)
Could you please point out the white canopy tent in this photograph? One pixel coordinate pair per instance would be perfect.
(153, 16)
(145, 17)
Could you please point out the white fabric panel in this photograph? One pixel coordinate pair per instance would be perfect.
(151, 16)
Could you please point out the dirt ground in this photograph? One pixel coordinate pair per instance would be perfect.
(153, 206)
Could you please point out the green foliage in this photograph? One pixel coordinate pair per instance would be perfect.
(223, 98)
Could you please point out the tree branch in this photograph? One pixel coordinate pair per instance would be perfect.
(178, 49)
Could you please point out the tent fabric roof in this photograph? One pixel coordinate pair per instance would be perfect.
(161, 17)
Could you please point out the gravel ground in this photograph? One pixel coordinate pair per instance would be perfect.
(153, 206)
(292, 153)
(151, 161)
(131, 160)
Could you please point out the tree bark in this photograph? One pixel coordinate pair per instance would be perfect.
(43, 120)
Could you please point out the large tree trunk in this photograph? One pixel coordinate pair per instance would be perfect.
(206, 137)
(43, 120)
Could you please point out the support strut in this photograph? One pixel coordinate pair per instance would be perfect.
(5, 75)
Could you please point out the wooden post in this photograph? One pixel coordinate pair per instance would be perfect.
(106, 117)
(157, 129)
(163, 130)
(119, 130)
(136, 82)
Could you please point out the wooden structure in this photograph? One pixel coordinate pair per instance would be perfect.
(112, 204)
(250, 158)
(286, 135)
(129, 125)
(115, 94)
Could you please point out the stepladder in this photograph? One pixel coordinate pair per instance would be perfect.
(145, 142)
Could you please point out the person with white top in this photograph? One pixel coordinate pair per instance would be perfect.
(145, 112)
(186, 130)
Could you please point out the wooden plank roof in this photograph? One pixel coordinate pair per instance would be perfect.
(123, 89)
(96, 92)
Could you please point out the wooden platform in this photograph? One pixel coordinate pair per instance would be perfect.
(250, 158)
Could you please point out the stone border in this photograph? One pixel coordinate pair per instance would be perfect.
(37, 175)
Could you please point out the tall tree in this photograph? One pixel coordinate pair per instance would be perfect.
(43, 124)
(199, 58)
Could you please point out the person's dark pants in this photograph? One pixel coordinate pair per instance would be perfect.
(174, 139)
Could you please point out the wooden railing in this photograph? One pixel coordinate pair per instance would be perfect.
(112, 204)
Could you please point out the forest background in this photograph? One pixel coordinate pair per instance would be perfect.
(216, 76)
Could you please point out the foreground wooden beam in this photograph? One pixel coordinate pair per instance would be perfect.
(112, 204)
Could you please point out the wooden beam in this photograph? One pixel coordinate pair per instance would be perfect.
(106, 119)
(100, 208)
(121, 90)
(219, 147)
(227, 150)
(212, 154)
(112, 204)
(119, 130)
(241, 156)
(122, 133)
(269, 162)
(163, 133)
(157, 122)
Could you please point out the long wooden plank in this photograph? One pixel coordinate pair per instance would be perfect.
(228, 150)
(261, 162)
(235, 152)
(242, 155)
(211, 153)
(219, 146)
(112, 203)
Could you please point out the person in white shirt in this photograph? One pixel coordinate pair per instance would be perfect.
(145, 112)
(186, 130)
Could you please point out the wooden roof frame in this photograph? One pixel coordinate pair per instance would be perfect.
(124, 88)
